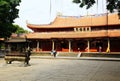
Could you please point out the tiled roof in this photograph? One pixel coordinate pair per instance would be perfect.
(67, 22)
(93, 34)
(17, 40)
(14, 35)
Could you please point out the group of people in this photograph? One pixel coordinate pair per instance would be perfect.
(54, 52)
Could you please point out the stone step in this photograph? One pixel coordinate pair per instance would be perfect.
(116, 55)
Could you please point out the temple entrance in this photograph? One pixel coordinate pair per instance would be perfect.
(46, 45)
(115, 45)
(64, 46)
(79, 45)
(98, 45)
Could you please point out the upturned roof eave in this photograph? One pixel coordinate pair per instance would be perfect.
(47, 26)
(70, 22)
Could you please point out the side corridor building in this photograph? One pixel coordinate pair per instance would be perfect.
(97, 33)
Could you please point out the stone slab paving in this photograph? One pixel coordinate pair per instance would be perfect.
(60, 70)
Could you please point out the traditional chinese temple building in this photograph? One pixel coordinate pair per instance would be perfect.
(98, 33)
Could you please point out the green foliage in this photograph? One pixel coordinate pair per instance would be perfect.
(6, 29)
(76, 1)
(111, 4)
(8, 12)
(20, 30)
(82, 3)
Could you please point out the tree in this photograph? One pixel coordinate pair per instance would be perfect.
(6, 29)
(20, 30)
(111, 4)
(8, 12)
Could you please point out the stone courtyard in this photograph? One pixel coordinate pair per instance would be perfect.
(60, 70)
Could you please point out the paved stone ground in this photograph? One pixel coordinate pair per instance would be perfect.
(60, 70)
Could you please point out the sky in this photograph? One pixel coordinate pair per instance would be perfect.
(45, 11)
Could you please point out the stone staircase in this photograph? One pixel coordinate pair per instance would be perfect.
(83, 54)
(67, 54)
(103, 54)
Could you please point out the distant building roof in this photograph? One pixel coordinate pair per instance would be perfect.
(15, 38)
